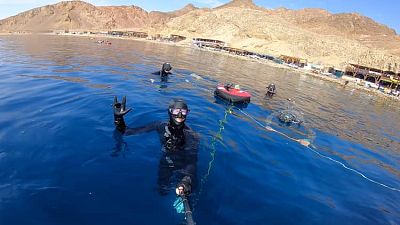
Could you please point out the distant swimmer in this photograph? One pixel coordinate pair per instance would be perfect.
(271, 90)
(106, 42)
(165, 69)
(164, 72)
(290, 115)
(293, 122)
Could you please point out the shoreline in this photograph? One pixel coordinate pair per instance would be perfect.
(353, 82)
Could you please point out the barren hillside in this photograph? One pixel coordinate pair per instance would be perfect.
(79, 15)
(267, 32)
(323, 22)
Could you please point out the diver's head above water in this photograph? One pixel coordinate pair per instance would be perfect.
(177, 111)
(271, 89)
(166, 68)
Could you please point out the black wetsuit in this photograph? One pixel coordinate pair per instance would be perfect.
(163, 75)
(179, 151)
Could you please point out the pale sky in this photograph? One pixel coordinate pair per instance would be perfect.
(384, 11)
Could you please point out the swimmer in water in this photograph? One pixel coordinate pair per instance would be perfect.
(289, 115)
(271, 90)
(179, 145)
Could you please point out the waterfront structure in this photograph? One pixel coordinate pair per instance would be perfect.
(135, 34)
(387, 79)
(116, 33)
(176, 38)
(166, 38)
(155, 37)
(217, 46)
(208, 42)
(293, 60)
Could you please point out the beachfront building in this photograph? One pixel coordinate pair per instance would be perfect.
(155, 37)
(60, 31)
(203, 42)
(176, 38)
(116, 33)
(221, 46)
(166, 38)
(236, 51)
(135, 34)
(293, 60)
(159, 37)
(382, 78)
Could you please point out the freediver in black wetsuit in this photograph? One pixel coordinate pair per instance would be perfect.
(289, 117)
(165, 70)
(179, 145)
(271, 90)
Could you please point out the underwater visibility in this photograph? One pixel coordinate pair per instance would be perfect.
(133, 133)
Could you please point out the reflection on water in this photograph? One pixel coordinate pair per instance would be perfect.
(69, 79)
(56, 131)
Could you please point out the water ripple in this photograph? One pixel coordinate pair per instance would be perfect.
(57, 143)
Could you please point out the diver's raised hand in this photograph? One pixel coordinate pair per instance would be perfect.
(119, 112)
(120, 108)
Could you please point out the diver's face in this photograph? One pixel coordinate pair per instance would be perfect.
(179, 115)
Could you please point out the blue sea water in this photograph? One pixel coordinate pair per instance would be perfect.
(59, 163)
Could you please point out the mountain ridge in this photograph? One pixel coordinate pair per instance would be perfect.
(240, 3)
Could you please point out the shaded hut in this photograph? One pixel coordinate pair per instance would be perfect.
(116, 33)
(176, 38)
(293, 60)
(387, 79)
(200, 42)
(136, 34)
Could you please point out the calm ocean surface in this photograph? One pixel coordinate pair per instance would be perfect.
(59, 163)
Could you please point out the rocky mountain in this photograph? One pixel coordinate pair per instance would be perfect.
(322, 21)
(314, 34)
(157, 19)
(76, 15)
(248, 4)
(184, 10)
(79, 15)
